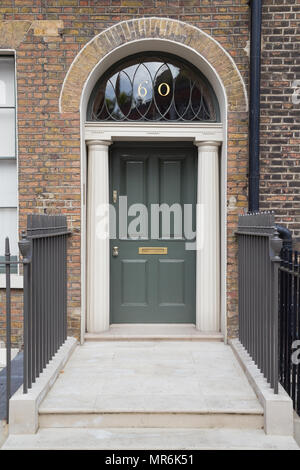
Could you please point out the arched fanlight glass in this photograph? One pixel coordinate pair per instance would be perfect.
(153, 87)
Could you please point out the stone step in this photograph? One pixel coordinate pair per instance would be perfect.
(153, 332)
(152, 384)
(252, 419)
(150, 438)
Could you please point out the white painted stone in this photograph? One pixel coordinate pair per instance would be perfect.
(97, 242)
(150, 131)
(23, 408)
(208, 238)
(278, 409)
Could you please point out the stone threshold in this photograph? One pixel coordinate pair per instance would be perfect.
(152, 332)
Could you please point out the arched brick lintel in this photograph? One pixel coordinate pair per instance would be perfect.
(144, 28)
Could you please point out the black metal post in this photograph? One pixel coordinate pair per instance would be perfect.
(275, 245)
(25, 247)
(254, 115)
(8, 327)
(286, 235)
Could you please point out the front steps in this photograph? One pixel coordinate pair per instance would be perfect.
(152, 384)
(151, 395)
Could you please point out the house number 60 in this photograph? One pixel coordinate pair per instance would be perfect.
(142, 90)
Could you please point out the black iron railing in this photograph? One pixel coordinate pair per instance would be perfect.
(258, 262)
(289, 314)
(9, 262)
(44, 258)
(44, 251)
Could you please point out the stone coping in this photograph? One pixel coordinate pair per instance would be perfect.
(278, 409)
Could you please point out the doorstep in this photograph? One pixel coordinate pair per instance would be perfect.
(152, 332)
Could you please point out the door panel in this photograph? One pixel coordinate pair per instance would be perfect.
(170, 181)
(171, 282)
(134, 293)
(133, 179)
(153, 288)
(170, 190)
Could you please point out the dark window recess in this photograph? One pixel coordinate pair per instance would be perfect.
(153, 87)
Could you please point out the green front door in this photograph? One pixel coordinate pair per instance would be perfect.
(152, 274)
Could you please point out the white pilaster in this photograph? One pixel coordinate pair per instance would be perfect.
(97, 242)
(208, 238)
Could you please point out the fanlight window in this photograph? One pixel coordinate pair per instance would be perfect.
(153, 88)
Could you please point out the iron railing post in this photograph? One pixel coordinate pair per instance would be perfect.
(8, 327)
(275, 245)
(25, 247)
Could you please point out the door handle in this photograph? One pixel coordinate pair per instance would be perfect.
(115, 251)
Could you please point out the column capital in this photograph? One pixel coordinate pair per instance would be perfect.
(98, 143)
(209, 144)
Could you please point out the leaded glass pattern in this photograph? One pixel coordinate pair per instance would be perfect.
(153, 88)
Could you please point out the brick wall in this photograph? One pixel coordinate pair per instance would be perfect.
(280, 117)
(49, 145)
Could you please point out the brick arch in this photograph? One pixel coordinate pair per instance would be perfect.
(147, 28)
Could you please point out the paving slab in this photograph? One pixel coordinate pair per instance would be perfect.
(152, 376)
(157, 439)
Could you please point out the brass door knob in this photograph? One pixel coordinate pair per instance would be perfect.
(115, 252)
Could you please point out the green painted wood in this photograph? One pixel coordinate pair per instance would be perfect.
(153, 288)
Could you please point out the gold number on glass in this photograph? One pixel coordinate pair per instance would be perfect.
(142, 91)
(167, 90)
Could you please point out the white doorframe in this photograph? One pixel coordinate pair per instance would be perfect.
(208, 138)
